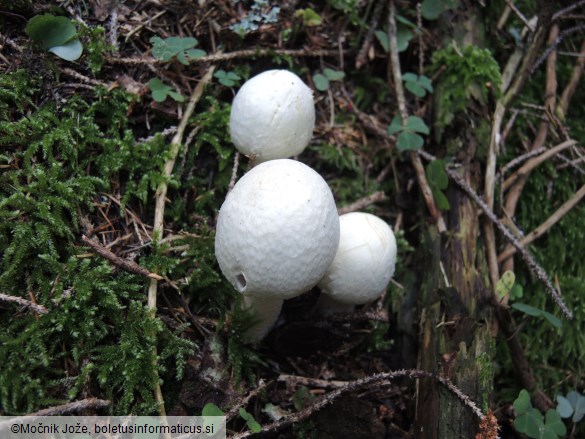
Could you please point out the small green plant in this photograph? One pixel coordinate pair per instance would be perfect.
(438, 181)
(252, 424)
(405, 31)
(431, 9)
(55, 34)
(322, 80)
(530, 421)
(302, 398)
(229, 79)
(417, 85)
(571, 406)
(183, 48)
(259, 14)
(409, 138)
(160, 91)
(309, 16)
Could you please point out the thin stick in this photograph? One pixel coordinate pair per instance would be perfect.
(519, 15)
(124, 264)
(161, 193)
(533, 266)
(357, 385)
(23, 302)
(551, 221)
(376, 197)
(533, 163)
(220, 57)
(71, 407)
(415, 159)
(573, 82)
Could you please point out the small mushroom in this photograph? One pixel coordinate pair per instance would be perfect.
(277, 231)
(363, 265)
(272, 116)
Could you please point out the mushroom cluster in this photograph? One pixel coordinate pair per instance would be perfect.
(278, 231)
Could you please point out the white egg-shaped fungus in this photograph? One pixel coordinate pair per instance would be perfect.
(277, 231)
(364, 262)
(272, 116)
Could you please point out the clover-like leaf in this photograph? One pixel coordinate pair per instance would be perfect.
(160, 91)
(333, 75)
(564, 407)
(229, 79)
(321, 82)
(180, 47)
(578, 403)
(417, 125)
(383, 39)
(210, 409)
(530, 423)
(554, 423)
(522, 404)
(408, 141)
(403, 37)
(395, 126)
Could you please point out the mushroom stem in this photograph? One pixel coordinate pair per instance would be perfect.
(266, 311)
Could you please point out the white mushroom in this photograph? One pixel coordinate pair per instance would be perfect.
(363, 265)
(272, 116)
(266, 311)
(277, 231)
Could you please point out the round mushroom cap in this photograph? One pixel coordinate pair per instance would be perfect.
(272, 116)
(364, 262)
(277, 231)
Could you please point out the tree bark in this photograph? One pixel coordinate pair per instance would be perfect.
(456, 322)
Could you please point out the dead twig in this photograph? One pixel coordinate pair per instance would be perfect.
(71, 407)
(398, 87)
(534, 162)
(124, 264)
(357, 385)
(376, 197)
(221, 57)
(23, 302)
(551, 221)
(161, 193)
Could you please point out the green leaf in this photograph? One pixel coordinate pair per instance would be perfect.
(309, 16)
(415, 89)
(229, 79)
(564, 407)
(425, 82)
(321, 82)
(409, 77)
(333, 75)
(181, 47)
(436, 174)
(252, 424)
(440, 199)
(527, 309)
(70, 51)
(403, 37)
(50, 31)
(552, 319)
(383, 39)
(553, 422)
(505, 284)
(578, 403)
(302, 398)
(522, 404)
(395, 126)
(210, 409)
(517, 291)
(407, 141)
(160, 91)
(417, 125)
(431, 9)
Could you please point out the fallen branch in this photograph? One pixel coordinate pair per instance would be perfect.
(71, 407)
(220, 57)
(23, 302)
(376, 197)
(357, 385)
(551, 221)
(124, 264)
